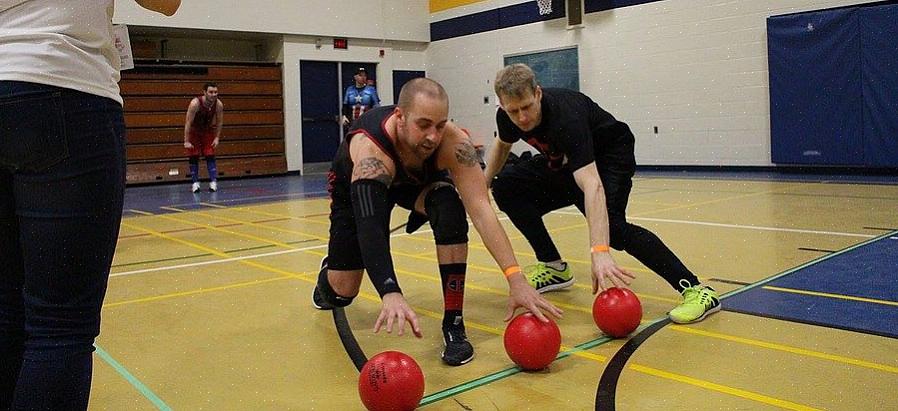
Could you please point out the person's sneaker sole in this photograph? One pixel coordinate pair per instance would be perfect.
(556, 287)
(462, 362)
(702, 317)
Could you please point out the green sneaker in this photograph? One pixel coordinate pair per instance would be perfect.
(544, 278)
(698, 302)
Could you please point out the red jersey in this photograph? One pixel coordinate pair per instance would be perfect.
(204, 119)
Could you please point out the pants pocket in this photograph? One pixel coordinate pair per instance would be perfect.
(32, 131)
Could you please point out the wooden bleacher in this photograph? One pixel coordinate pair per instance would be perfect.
(156, 98)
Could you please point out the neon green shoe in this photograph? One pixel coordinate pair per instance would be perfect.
(544, 278)
(698, 302)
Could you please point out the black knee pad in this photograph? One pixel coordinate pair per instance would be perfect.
(327, 292)
(447, 216)
(193, 160)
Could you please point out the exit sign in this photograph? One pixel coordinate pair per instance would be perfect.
(341, 43)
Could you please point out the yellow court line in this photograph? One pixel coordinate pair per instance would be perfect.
(719, 200)
(260, 225)
(221, 230)
(721, 388)
(194, 292)
(786, 348)
(265, 213)
(475, 325)
(828, 295)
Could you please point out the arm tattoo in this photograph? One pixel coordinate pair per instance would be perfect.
(373, 169)
(466, 154)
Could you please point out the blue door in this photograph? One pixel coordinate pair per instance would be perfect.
(400, 77)
(320, 99)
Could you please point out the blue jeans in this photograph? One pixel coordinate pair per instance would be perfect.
(62, 178)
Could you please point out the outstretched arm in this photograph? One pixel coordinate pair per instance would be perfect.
(603, 266)
(372, 174)
(460, 158)
(166, 7)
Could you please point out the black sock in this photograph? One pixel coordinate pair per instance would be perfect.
(453, 280)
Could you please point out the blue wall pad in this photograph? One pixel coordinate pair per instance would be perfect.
(879, 54)
(869, 271)
(591, 6)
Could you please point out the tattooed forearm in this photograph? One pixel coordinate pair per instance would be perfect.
(373, 169)
(466, 154)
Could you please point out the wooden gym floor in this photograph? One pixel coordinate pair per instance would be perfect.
(208, 304)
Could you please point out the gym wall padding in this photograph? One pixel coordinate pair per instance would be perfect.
(834, 87)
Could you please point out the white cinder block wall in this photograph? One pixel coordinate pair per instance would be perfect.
(696, 69)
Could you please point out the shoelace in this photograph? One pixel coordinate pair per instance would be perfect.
(691, 293)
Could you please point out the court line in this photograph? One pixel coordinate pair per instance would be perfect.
(829, 295)
(187, 257)
(312, 195)
(499, 332)
(789, 405)
(787, 348)
(437, 316)
(747, 227)
(606, 391)
(143, 389)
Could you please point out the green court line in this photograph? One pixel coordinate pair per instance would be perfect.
(475, 383)
(470, 385)
(143, 389)
(187, 257)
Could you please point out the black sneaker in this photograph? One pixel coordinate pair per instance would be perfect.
(458, 350)
(317, 300)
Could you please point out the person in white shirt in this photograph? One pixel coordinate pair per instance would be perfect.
(62, 179)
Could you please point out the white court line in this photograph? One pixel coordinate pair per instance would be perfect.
(228, 260)
(749, 227)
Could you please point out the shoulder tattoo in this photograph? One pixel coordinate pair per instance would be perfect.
(373, 169)
(466, 154)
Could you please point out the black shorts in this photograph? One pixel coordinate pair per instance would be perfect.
(343, 249)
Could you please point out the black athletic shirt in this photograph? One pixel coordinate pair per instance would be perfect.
(371, 124)
(574, 131)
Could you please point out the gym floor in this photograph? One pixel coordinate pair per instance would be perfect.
(208, 304)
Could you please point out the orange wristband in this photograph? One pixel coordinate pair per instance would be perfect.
(512, 270)
(601, 248)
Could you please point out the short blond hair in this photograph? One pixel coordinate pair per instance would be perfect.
(515, 81)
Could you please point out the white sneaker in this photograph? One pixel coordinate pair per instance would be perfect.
(195, 187)
(213, 186)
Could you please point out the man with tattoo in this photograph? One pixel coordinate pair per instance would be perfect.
(411, 155)
(587, 160)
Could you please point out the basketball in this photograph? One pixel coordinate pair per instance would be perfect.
(391, 381)
(531, 343)
(617, 312)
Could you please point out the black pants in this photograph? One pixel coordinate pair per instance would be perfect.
(528, 190)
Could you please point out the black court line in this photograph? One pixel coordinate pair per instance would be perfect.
(608, 383)
(822, 250)
(605, 392)
(725, 281)
(349, 342)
